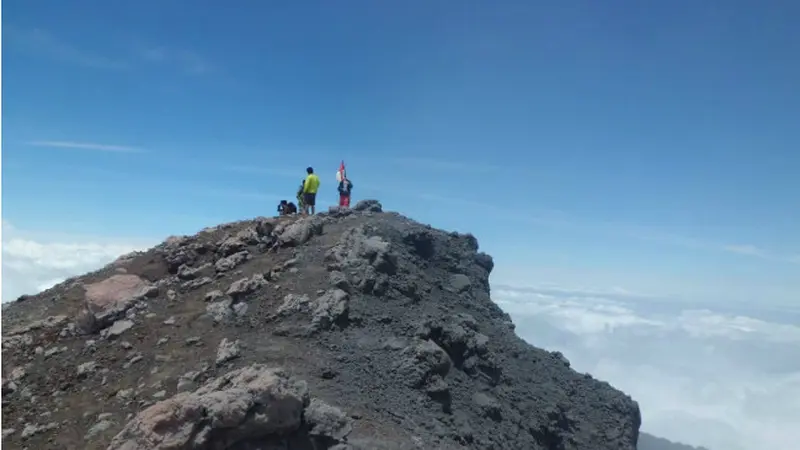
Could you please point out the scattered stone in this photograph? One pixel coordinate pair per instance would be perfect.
(9, 387)
(423, 361)
(326, 420)
(55, 350)
(230, 262)
(46, 323)
(69, 330)
(98, 428)
(246, 286)
(290, 263)
(31, 430)
(227, 351)
(160, 394)
(17, 373)
(194, 284)
(213, 296)
(18, 341)
(187, 381)
(240, 309)
(135, 358)
(86, 368)
(331, 309)
(170, 321)
(242, 239)
(116, 330)
(194, 340)
(187, 273)
(294, 303)
(220, 311)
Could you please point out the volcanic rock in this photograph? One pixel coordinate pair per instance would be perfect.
(351, 329)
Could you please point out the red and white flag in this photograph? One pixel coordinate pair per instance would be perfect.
(340, 174)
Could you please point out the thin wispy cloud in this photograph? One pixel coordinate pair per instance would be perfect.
(448, 200)
(45, 44)
(614, 293)
(747, 250)
(87, 146)
(542, 217)
(48, 45)
(265, 171)
(750, 250)
(188, 61)
(239, 194)
(560, 220)
(442, 165)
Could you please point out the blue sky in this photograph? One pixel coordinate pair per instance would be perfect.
(631, 146)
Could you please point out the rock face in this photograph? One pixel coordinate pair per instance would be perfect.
(353, 329)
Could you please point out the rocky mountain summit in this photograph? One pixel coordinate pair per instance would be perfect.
(352, 329)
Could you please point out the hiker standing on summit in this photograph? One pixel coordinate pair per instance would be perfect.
(345, 188)
(300, 195)
(310, 187)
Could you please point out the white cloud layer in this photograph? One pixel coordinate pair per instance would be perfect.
(86, 146)
(32, 263)
(724, 379)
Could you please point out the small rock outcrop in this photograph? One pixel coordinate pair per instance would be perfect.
(255, 404)
(354, 329)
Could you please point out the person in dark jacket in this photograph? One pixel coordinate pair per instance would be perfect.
(286, 208)
(345, 188)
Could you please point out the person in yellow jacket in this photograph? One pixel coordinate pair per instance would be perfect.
(310, 188)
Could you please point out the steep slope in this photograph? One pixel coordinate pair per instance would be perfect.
(353, 329)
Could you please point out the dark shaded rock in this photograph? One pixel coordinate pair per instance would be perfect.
(368, 205)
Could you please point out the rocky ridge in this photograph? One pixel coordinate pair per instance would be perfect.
(351, 329)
